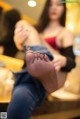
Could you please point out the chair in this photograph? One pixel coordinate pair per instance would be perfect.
(6, 76)
(12, 63)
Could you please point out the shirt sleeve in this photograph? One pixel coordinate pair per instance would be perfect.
(68, 53)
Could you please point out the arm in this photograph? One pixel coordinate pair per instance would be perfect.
(21, 36)
(25, 34)
(29, 36)
(65, 59)
(67, 51)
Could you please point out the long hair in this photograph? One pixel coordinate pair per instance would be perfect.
(11, 17)
(44, 18)
(1, 10)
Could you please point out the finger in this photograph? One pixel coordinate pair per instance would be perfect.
(26, 29)
(17, 30)
(20, 28)
(18, 33)
(25, 34)
(21, 36)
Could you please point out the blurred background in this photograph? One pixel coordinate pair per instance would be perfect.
(67, 99)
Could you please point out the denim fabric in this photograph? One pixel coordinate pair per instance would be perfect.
(40, 49)
(24, 100)
(28, 92)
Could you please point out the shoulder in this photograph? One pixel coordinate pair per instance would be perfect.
(68, 37)
(68, 33)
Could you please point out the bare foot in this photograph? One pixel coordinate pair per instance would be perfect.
(39, 66)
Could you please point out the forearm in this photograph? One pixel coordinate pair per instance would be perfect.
(70, 58)
(70, 64)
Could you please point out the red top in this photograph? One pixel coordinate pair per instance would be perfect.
(52, 42)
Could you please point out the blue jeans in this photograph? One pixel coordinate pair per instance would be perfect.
(28, 92)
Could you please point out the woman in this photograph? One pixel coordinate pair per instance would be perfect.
(32, 84)
(51, 27)
(37, 66)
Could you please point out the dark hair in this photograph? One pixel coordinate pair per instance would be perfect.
(1, 10)
(44, 18)
(11, 17)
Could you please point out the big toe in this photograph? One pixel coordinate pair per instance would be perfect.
(29, 57)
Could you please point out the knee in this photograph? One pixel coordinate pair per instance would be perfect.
(22, 103)
(22, 99)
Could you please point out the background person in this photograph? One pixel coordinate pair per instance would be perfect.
(11, 17)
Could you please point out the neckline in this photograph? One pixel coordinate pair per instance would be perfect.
(50, 37)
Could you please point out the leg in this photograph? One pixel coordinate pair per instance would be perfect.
(26, 32)
(23, 102)
(39, 66)
(29, 36)
(34, 38)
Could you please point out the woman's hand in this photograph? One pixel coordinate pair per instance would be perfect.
(20, 34)
(59, 62)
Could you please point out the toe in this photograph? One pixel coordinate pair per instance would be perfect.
(42, 56)
(38, 56)
(35, 55)
(29, 57)
(46, 58)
